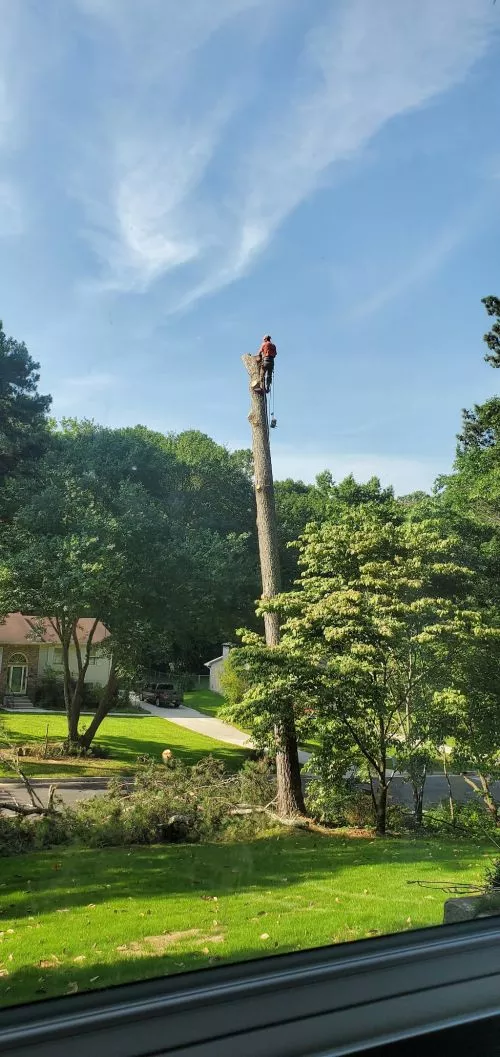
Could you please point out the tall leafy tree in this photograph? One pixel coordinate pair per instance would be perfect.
(366, 642)
(23, 411)
(107, 536)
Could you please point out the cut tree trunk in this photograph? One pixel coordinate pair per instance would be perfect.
(290, 799)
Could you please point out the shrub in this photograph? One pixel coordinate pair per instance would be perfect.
(471, 818)
(49, 693)
(342, 804)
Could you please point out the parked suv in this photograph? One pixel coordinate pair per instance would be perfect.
(163, 694)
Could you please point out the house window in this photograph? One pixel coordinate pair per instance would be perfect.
(58, 657)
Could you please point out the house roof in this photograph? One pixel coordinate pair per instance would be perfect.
(208, 664)
(20, 630)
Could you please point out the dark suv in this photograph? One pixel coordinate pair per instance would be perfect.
(163, 694)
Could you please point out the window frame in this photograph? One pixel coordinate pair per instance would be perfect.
(340, 999)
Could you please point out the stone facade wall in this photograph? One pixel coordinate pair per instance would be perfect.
(31, 653)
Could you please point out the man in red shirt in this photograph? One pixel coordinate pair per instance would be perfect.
(265, 358)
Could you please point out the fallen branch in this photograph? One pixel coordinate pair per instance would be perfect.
(26, 809)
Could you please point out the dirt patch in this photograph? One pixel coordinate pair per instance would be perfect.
(159, 944)
(131, 948)
(166, 939)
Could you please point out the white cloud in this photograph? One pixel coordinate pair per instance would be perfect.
(146, 172)
(421, 266)
(405, 473)
(362, 68)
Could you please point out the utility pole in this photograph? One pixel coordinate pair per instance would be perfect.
(289, 785)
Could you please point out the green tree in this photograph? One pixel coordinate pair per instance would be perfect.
(299, 504)
(492, 337)
(366, 641)
(23, 411)
(107, 536)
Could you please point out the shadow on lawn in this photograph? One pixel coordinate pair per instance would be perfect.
(33, 983)
(76, 877)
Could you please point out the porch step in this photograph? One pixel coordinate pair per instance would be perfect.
(17, 701)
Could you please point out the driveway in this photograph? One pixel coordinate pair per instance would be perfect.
(210, 726)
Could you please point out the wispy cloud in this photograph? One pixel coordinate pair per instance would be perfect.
(423, 265)
(360, 69)
(186, 153)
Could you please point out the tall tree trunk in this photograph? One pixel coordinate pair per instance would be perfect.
(381, 809)
(450, 791)
(418, 802)
(379, 790)
(290, 799)
(105, 706)
(71, 716)
(418, 780)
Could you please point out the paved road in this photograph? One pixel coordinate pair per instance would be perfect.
(436, 789)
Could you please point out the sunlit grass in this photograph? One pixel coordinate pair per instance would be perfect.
(86, 919)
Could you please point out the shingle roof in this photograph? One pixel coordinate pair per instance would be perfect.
(20, 630)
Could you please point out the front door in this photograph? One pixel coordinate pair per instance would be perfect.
(18, 675)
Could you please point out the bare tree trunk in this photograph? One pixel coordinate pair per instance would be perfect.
(290, 799)
(451, 802)
(379, 789)
(68, 694)
(381, 809)
(105, 705)
(418, 777)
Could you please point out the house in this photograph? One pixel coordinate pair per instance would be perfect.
(215, 669)
(29, 647)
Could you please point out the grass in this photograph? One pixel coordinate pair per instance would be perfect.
(125, 739)
(83, 919)
(204, 701)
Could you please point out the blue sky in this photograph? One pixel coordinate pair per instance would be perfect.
(179, 178)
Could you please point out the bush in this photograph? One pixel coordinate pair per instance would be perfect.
(49, 693)
(492, 875)
(471, 818)
(344, 804)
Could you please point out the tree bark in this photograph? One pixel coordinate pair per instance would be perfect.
(105, 705)
(418, 785)
(450, 791)
(381, 810)
(290, 799)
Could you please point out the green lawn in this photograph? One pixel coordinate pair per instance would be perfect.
(204, 701)
(125, 738)
(83, 919)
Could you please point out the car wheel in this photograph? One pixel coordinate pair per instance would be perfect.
(177, 703)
